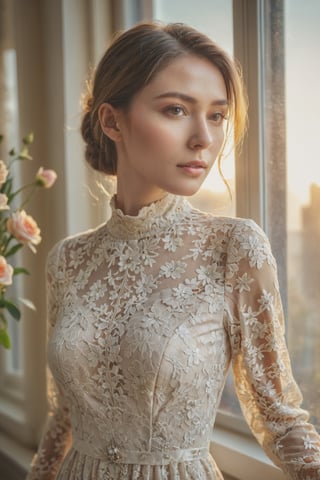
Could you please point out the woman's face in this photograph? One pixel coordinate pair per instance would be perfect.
(173, 131)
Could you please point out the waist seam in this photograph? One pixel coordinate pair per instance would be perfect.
(115, 455)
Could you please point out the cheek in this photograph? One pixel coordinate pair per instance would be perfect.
(218, 137)
(151, 133)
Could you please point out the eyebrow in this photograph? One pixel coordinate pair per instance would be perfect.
(189, 99)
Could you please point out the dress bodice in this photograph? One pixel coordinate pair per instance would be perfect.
(146, 314)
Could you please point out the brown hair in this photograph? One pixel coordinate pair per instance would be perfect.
(132, 60)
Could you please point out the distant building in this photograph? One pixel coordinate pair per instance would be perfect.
(311, 246)
(310, 287)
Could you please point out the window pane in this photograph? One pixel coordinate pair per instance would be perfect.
(303, 195)
(214, 18)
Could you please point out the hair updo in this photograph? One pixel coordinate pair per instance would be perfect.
(132, 60)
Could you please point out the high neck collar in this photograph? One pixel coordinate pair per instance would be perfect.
(150, 219)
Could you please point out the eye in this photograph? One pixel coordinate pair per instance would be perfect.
(176, 110)
(218, 118)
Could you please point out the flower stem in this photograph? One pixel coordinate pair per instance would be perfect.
(27, 199)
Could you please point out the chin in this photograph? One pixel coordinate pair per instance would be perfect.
(185, 190)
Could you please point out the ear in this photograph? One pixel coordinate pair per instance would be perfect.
(108, 121)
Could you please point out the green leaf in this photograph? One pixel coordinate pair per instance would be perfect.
(28, 139)
(12, 309)
(28, 303)
(4, 338)
(14, 249)
(18, 270)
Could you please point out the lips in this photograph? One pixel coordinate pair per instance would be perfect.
(194, 168)
(193, 164)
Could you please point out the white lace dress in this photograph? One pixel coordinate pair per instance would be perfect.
(146, 315)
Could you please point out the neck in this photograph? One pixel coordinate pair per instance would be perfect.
(152, 220)
(130, 200)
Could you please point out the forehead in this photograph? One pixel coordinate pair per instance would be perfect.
(189, 74)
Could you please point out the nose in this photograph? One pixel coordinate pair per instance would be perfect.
(201, 136)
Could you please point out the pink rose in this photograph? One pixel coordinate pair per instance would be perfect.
(3, 172)
(4, 202)
(46, 178)
(24, 228)
(6, 272)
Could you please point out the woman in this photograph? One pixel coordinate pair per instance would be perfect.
(148, 310)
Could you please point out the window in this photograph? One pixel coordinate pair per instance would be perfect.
(302, 65)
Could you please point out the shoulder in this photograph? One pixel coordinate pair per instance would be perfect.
(248, 242)
(73, 244)
(233, 228)
(247, 230)
(239, 238)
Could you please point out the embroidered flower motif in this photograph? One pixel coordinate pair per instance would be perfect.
(171, 243)
(309, 443)
(256, 251)
(268, 389)
(210, 384)
(145, 285)
(183, 292)
(183, 332)
(249, 316)
(208, 274)
(266, 300)
(129, 260)
(194, 356)
(258, 371)
(96, 291)
(173, 269)
(243, 283)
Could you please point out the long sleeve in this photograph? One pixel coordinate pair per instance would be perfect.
(56, 436)
(269, 396)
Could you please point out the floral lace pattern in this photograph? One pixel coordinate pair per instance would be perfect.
(146, 314)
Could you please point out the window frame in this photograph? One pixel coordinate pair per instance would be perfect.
(248, 45)
(250, 193)
(249, 22)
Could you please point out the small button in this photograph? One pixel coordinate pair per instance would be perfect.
(114, 454)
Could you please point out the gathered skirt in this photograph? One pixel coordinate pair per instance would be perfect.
(79, 466)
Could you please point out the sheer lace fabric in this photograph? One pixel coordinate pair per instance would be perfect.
(146, 314)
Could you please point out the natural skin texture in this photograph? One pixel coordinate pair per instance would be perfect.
(176, 119)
